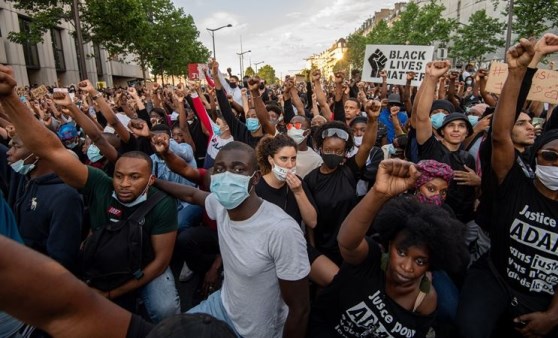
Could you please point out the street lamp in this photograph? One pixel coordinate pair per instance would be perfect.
(212, 31)
(241, 57)
(509, 28)
(256, 64)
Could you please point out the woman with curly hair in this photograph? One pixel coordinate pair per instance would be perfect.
(333, 184)
(281, 186)
(392, 295)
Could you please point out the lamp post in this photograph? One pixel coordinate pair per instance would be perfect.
(256, 64)
(509, 31)
(79, 39)
(212, 31)
(241, 57)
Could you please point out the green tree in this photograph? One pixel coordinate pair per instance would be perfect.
(356, 46)
(531, 18)
(249, 72)
(342, 66)
(421, 25)
(268, 74)
(45, 15)
(480, 36)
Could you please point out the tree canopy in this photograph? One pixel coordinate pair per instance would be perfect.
(268, 74)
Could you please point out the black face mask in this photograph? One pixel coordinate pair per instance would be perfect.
(262, 85)
(332, 161)
(234, 85)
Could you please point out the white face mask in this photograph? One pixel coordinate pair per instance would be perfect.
(358, 140)
(297, 135)
(281, 173)
(548, 175)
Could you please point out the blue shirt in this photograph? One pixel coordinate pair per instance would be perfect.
(386, 120)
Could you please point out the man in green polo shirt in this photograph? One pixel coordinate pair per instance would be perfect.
(109, 200)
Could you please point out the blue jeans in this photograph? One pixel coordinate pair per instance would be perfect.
(214, 306)
(160, 297)
(188, 216)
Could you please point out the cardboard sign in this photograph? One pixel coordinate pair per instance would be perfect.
(60, 90)
(396, 61)
(39, 92)
(543, 89)
(21, 91)
(195, 71)
(101, 85)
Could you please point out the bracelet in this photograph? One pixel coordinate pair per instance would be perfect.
(96, 96)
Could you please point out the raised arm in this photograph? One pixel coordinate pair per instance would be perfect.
(106, 110)
(259, 106)
(173, 161)
(36, 137)
(183, 192)
(503, 151)
(394, 177)
(434, 70)
(320, 95)
(88, 126)
(373, 109)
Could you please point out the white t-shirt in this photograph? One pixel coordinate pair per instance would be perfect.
(256, 253)
(306, 161)
(216, 143)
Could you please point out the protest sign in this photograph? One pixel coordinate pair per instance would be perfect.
(544, 87)
(39, 92)
(21, 91)
(396, 61)
(101, 85)
(195, 71)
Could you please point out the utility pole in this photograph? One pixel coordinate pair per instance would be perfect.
(509, 31)
(79, 41)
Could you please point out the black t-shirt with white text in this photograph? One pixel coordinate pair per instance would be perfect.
(356, 305)
(524, 236)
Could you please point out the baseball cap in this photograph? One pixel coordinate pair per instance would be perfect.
(454, 117)
(394, 99)
(67, 132)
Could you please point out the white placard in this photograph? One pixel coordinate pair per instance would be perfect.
(396, 60)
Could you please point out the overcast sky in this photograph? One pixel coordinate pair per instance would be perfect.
(281, 33)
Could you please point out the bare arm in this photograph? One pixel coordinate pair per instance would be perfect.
(259, 106)
(503, 151)
(174, 162)
(295, 294)
(373, 111)
(394, 177)
(434, 71)
(183, 192)
(88, 126)
(37, 138)
(78, 311)
(320, 95)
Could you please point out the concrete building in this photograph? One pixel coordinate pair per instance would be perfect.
(388, 14)
(326, 60)
(54, 62)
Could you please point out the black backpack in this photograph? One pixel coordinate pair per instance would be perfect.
(119, 251)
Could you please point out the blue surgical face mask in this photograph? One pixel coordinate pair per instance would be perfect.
(252, 124)
(93, 153)
(473, 119)
(71, 145)
(216, 130)
(437, 120)
(20, 167)
(140, 199)
(230, 189)
(391, 149)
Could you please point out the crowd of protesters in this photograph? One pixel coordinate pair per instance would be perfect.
(306, 209)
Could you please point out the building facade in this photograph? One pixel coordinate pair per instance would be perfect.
(54, 62)
(326, 60)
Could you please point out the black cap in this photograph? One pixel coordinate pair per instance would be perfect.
(442, 104)
(394, 99)
(454, 117)
(199, 325)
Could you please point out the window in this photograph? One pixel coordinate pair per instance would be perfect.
(58, 50)
(29, 49)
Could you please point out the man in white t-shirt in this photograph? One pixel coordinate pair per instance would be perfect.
(265, 290)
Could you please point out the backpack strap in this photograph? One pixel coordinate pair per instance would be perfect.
(146, 208)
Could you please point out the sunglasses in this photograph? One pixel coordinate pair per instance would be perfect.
(549, 155)
(296, 125)
(335, 132)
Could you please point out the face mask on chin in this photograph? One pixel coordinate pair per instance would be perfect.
(20, 167)
(140, 199)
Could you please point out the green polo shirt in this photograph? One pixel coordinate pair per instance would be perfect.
(103, 208)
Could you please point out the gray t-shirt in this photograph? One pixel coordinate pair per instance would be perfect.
(257, 252)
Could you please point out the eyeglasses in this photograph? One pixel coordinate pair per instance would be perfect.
(549, 155)
(335, 132)
(296, 125)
